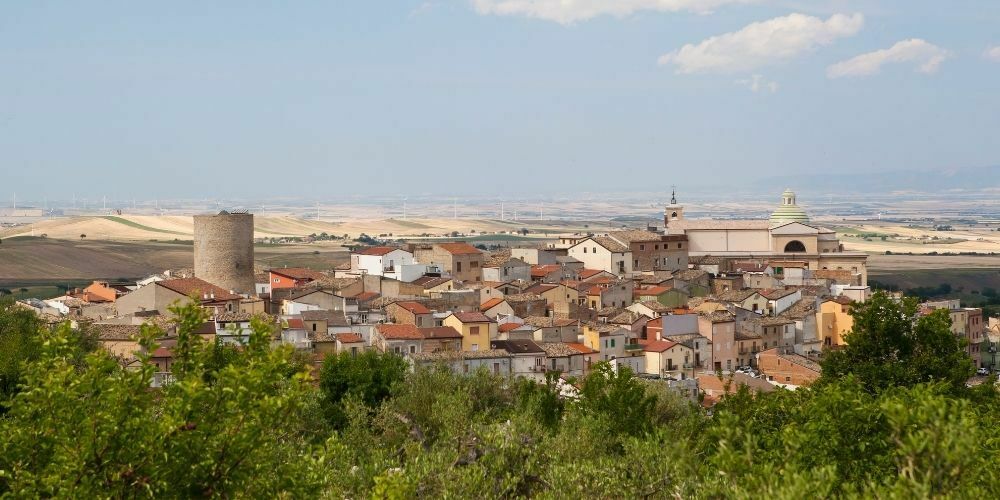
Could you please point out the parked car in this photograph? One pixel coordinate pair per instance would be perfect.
(983, 371)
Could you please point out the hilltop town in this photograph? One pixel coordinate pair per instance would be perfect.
(686, 301)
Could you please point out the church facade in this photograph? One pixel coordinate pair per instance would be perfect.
(788, 235)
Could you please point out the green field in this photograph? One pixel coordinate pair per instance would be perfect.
(136, 225)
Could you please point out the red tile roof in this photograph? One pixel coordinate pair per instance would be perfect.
(375, 250)
(349, 338)
(414, 307)
(589, 273)
(459, 248)
(506, 327)
(471, 317)
(391, 331)
(582, 349)
(653, 290)
(540, 271)
(295, 323)
(489, 304)
(440, 332)
(658, 346)
(199, 287)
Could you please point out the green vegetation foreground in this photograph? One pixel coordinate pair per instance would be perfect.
(886, 420)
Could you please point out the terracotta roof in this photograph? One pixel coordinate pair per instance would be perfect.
(749, 267)
(378, 251)
(720, 317)
(497, 258)
(656, 306)
(335, 318)
(390, 331)
(736, 295)
(652, 290)
(365, 296)
(197, 287)
(689, 274)
(777, 294)
(522, 297)
(117, 332)
(541, 288)
(540, 271)
(506, 327)
(459, 248)
(231, 317)
(634, 236)
(706, 260)
(559, 349)
(658, 346)
(625, 318)
(321, 336)
(458, 355)
(840, 299)
(839, 275)
(610, 244)
(299, 273)
(295, 324)
(490, 304)
(414, 307)
(471, 317)
(349, 338)
(440, 332)
(586, 274)
(582, 349)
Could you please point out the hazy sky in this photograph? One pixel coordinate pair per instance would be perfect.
(315, 98)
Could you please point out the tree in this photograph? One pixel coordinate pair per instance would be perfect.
(82, 236)
(367, 377)
(891, 345)
(618, 398)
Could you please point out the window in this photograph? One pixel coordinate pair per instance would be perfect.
(636, 264)
(496, 367)
(473, 264)
(612, 343)
(795, 246)
(473, 330)
(413, 349)
(679, 245)
(458, 267)
(595, 249)
(642, 247)
(314, 327)
(475, 347)
(465, 368)
(584, 249)
(396, 350)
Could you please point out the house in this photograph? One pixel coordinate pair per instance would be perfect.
(294, 302)
(400, 339)
(410, 312)
(527, 304)
(510, 269)
(460, 260)
(654, 252)
(535, 256)
(720, 329)
(834, 321)
(494, 361)
(749, 299)
(561, 299)
(693, 281)
(105, 291)
(475, 327)
(441, 338)
(323, 321)
(605, 254)
(613, 294)
(652, 293)
(389, 262)
(495, 307)
(160, 295)
(568, 358)
(292, 277)
(550, 329)
(350, 342)
(611, 340)
(432, 285)
(668, 359)
(527, 358)
(782, 367)
(781, 299)
(650, 308)
(121, 341)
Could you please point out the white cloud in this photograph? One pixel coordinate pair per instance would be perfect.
(762, 43)
(992, 53)
(758, 83)
(571, 11)
(927, 56)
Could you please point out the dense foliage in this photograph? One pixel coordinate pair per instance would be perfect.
(251, 423)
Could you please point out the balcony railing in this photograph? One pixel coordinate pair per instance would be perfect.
(633, 347)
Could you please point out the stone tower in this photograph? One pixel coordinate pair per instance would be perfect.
(673, 211)
(223, 250)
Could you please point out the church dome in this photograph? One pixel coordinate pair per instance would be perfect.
(788, 211)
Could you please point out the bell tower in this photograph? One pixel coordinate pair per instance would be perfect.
(673, 211)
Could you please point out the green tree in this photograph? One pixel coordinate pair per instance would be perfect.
(617, 398)
(367, 377)
(891, 345)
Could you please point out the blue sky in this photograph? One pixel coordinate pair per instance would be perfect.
(316, 98)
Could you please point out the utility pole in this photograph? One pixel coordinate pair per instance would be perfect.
(454, 208)
(501, 209)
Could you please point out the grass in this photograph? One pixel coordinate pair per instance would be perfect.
(136, 225)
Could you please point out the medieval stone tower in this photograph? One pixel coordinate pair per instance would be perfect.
(223, 250)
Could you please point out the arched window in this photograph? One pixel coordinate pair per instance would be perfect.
(795, 246)
(674, 215)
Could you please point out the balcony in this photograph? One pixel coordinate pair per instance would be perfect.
(633, 347)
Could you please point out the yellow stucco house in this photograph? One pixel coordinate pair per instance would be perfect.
(475, 327)
(834, 320)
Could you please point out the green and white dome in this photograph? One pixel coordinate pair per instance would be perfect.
(788, 211)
